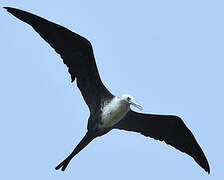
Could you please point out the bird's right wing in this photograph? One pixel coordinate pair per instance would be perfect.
(170, 129)
(76, 52)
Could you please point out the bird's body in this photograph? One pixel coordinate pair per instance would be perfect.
(113, 112)
(107, 111)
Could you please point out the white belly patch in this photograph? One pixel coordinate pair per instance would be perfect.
(113, 113)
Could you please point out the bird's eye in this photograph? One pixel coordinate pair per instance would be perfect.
(128, 98)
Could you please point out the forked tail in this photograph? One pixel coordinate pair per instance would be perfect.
(83, 143)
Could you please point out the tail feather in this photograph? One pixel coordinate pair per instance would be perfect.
(82, 144)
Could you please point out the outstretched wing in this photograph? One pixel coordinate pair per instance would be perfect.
(76, 52)
(170, 129)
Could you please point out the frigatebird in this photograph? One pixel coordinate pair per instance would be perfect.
(107, 111)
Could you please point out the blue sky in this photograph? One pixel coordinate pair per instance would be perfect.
(167, 54)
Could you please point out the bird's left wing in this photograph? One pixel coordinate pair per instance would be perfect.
(168, 128)
(76, 52)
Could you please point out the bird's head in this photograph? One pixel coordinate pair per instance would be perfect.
(130, 100)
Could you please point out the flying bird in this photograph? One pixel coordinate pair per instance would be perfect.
(108, 111)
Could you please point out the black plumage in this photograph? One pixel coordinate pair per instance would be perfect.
(168, 128)
(77, 54)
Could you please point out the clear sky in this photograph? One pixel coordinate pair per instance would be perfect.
(168, 54)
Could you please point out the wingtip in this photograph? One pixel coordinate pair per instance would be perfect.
(8, 8)
(5, 8)
(205, 165)
(208, 170)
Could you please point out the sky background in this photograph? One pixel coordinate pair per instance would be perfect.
(168, 54)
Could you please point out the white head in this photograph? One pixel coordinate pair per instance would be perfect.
(129, 99)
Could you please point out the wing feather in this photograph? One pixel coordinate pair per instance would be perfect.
(76, 52)
(168, 128)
